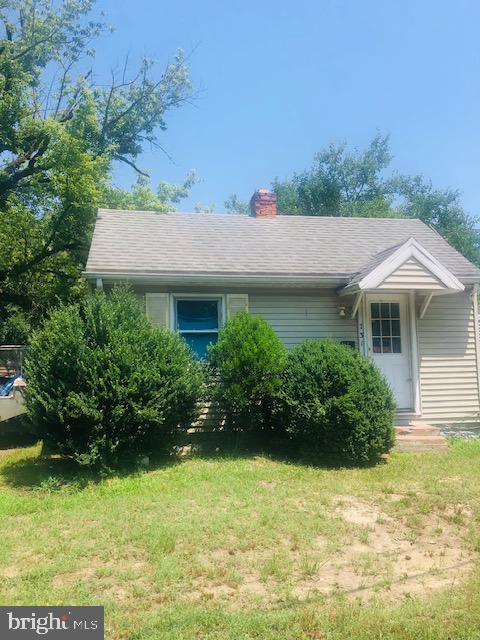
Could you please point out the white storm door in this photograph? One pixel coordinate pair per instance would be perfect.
(389, 344)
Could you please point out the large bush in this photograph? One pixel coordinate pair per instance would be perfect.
(336, 403)
(247, 362)
(104, 384)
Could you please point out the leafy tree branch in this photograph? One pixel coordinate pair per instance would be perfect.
(61, 133)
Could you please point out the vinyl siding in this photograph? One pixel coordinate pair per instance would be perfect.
(445, 336)
(447, 357)
(295, 317)
(411, 275)
(298, 317)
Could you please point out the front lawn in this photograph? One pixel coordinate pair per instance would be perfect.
(251, 547)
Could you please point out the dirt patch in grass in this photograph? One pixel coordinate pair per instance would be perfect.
(10, 572)
(389, 556)
(357, 511)
(68, 578)
(395, 557)
(116, 579)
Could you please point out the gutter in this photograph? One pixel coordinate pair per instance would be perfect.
(216, 279)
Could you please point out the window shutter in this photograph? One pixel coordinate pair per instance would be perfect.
(158, 309)
(236, 302)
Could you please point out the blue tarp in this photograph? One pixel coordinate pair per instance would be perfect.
(7, 386)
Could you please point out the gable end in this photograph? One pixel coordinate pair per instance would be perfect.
(412, 275)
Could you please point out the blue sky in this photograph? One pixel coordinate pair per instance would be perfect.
(280, 80)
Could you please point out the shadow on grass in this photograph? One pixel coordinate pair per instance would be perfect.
(220, 444)
(57, 473)
(45, 472)
(17, 440)
(50, 472)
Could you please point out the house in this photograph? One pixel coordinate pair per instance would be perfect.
(392, 288)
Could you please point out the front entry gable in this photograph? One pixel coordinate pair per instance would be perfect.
(412, 274)
(406, 267)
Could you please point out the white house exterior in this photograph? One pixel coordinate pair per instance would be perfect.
(392, 288)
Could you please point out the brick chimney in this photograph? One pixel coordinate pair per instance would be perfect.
(263, 204)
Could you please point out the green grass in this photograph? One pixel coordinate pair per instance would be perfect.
(250, 547)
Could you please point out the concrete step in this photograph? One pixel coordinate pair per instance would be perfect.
(419, 436)
(416, 448)
(417, 430)
(420, 439)
(418, 443)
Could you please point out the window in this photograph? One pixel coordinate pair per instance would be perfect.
(198, 321)
(386, 336)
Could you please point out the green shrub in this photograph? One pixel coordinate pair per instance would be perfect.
(247, 361)
(336, 403)
(103, 384)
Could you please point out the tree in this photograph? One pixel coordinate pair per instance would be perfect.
(340, 183)
(60, 134)
(142, 198)
(440, 208)
(204, 208)
(343, 183)
(234, 205)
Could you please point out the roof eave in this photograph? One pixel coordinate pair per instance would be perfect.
(218, 278)
(470, 279)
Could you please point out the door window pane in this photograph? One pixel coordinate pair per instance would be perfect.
(385, 309)
(386, 345)
(386, 327)
(375, 310)
(395, 327)
(377, 346)
(395, 310)
(376, 328)
(396, 345)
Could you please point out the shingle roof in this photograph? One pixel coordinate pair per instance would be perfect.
(141, 242)
(374, 262)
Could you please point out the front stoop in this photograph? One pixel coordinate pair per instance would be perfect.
(418, 437)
